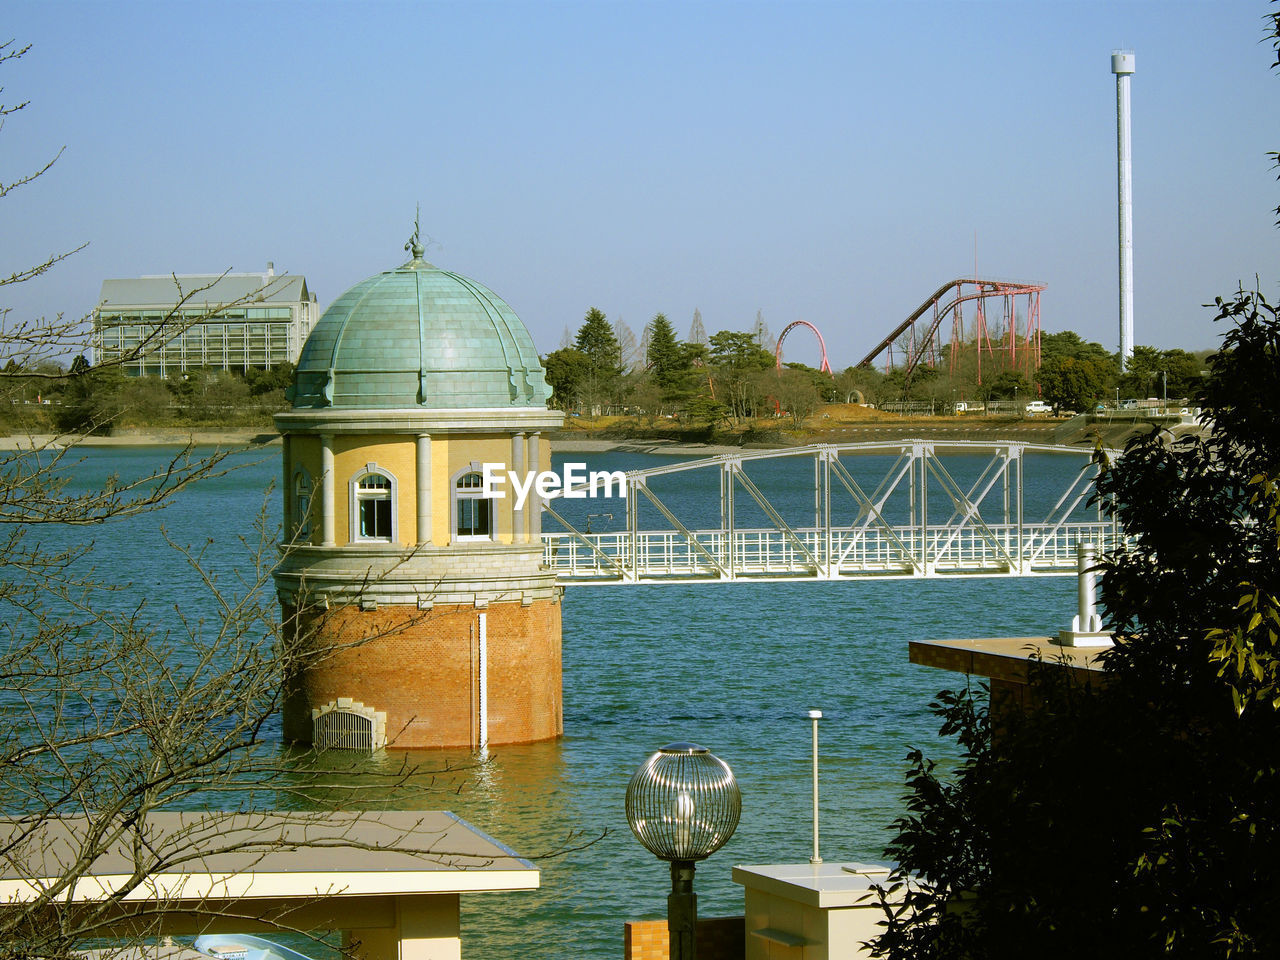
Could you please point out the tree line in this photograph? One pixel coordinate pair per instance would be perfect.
(725, 377)
(731, 376)
(82, 398)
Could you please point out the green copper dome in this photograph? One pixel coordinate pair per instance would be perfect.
(418, 336)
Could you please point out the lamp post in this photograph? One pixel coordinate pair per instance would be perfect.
(815, 716)
(683, 805)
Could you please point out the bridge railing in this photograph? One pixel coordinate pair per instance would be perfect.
(768, 553)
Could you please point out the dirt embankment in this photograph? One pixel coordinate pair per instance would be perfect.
(833, 423)
(145, 437)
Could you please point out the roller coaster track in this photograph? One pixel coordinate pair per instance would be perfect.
(825, 367)
(923, 341)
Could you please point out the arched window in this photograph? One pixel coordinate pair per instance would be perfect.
(473, 511)
(301, 505)
(373, 511)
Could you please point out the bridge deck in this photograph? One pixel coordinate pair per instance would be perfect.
(909, 508)
(662, 556)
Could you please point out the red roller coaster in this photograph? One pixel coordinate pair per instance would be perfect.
(1014, 346)
(777, 351)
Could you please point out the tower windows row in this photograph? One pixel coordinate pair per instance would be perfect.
(372, 505)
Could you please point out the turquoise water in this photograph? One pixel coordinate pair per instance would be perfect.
(734, 667)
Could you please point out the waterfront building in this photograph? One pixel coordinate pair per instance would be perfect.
(166, 325)
(424, 601)
(391, 882)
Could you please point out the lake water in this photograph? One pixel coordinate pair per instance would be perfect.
(734, 667)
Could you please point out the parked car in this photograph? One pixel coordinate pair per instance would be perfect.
(1036, 407)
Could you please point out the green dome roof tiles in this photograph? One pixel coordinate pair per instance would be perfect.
(418, 336)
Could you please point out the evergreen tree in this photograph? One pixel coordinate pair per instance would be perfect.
(598, 344)
(739, 365)
(596, 340)
(665, 359)
(739, 350)
(568, 370)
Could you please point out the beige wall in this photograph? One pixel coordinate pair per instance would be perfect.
(462, 451)
(302, 450)
(397, 454)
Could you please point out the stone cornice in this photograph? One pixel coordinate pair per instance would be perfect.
(410, 421)
(395, 575)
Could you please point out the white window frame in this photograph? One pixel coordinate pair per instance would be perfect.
(455, 497)
(301, 514)
(356, 499)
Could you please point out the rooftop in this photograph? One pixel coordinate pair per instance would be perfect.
(203, 289)
(266, 855)
(418, 336)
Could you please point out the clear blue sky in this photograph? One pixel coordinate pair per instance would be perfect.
(831, 162)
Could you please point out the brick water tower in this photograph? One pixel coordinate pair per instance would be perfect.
(422, 605)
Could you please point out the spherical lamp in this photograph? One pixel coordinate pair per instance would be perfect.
(683, 805)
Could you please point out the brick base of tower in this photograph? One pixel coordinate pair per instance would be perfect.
(421, 668)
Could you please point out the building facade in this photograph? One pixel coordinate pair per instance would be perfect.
(418, 606)
(166, 325)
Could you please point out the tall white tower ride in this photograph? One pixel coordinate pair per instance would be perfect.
(1122, 67)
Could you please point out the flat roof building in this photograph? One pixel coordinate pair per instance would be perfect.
(166, 325)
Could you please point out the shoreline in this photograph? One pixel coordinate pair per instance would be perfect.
(159, 437)
(253, 437)
(879, 430)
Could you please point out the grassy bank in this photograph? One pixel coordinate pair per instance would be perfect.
(833, 423)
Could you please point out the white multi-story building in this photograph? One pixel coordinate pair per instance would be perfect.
(166, 325)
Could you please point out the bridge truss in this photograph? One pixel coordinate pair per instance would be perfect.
(910, 508)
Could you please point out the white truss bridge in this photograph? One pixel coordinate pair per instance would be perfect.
(909, 508)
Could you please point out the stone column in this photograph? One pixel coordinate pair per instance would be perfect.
(327, 511)
(519, 521)
(424, 487)
(535, 508)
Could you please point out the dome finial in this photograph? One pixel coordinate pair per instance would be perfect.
(414, 244)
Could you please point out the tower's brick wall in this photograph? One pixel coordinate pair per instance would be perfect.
(421, 668)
